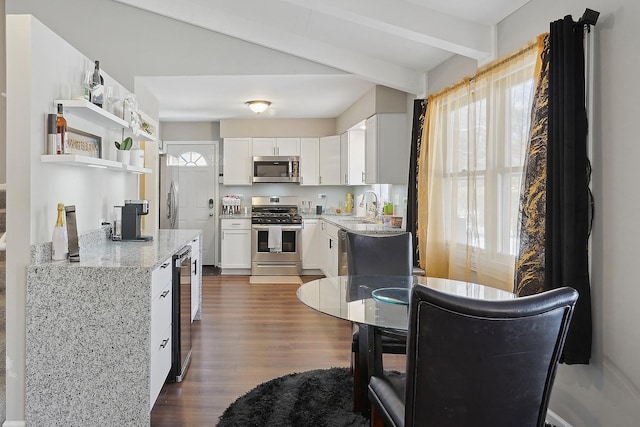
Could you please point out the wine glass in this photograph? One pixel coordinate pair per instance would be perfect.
(87, 83)
(113, 96)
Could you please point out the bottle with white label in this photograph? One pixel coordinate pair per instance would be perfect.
(97, 86)
(59, 242)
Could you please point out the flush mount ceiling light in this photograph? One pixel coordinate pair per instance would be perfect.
(258, 106)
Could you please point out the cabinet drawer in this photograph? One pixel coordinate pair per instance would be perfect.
(331, 230)
(236, 224)
(160, 277)
(160, 365)
(161, 310)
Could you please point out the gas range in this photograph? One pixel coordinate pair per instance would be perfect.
(275, 210)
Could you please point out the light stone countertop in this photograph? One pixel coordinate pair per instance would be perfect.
(357, 225)
(108, 253)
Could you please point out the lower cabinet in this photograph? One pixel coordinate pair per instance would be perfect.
(196, 278)
(311, 244)
(330, 249)
(235, 244)
(161, 300)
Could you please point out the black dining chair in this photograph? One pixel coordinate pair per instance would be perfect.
(475, 362)
(376, 254)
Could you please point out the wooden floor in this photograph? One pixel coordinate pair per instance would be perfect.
(249, 334)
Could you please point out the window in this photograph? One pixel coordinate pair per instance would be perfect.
(188, 159)
(477, 138)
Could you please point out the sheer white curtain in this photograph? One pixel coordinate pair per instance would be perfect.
(475, 138)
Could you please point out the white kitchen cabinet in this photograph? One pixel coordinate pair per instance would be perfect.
(161, 310)
(237, 161)
(309, 161)
(352, 157)
(311, 244)
(263, 146)
(330, 249)
(329, 160)
(235, 244)
(196, 278)
(387, 148)
(276, 146)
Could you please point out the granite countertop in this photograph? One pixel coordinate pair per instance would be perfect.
(358, 225)
(109, 253)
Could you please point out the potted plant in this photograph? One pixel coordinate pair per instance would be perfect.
(123, 150)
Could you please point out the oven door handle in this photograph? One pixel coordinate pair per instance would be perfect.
(287, 227)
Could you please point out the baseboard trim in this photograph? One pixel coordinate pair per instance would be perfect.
(14, 424)
(556, 420)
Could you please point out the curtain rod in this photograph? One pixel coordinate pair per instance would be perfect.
(488, 68)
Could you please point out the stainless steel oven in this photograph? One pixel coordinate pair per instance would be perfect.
(275, 236)
(268, 261)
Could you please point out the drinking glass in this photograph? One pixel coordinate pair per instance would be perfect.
(87, 83)
(113, 96)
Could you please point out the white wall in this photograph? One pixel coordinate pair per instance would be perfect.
(3, 100)
(131, 42)
(606, 392)
(38, 62)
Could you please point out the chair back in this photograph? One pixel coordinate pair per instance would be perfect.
(385, 254)
(483, 363)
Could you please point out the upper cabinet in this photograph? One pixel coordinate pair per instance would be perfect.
(352, 157)
(329, 163)
(237, 161)
(387, 149)
(276, 146)
(309, 161)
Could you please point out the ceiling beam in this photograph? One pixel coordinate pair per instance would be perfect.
(411, 22)
(212, 16)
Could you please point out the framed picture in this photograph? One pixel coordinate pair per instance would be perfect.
(83, 143)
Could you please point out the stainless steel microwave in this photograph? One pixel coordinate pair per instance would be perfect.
(276, 169)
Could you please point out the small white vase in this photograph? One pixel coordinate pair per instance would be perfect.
(137, 158)
(123, 156)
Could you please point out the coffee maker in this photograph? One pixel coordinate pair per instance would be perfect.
(130, 221)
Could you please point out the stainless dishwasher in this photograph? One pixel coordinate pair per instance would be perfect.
(181, 318)
(343, 269)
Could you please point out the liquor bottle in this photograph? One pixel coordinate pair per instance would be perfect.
(97, 86)
(59, 242)
(61, 131)
(52, 134)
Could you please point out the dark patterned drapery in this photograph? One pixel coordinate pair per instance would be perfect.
(529, 270)
(556, 202)
(419, 113)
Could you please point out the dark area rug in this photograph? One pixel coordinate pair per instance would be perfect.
(315, 398)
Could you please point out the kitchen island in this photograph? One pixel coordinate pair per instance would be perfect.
(91, 329)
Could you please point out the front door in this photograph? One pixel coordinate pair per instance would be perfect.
(195, 168)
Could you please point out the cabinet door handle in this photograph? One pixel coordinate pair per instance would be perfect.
(165, 293)
(164, 343)
(346, 179)
(195, 267)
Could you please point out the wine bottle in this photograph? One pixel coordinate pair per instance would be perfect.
(97, 86)
(61, 132)
(52, 134)
(59, 242)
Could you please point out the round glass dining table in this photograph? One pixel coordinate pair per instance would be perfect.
(380, 305)
(382, 301)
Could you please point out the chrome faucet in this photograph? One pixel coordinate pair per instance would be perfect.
(375, 202)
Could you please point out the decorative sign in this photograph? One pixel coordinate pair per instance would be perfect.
(83, 143)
